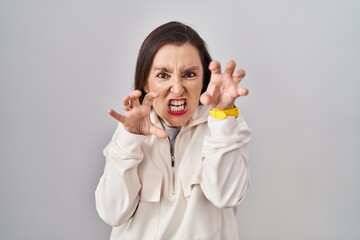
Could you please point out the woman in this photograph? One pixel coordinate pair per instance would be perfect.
(176, 167)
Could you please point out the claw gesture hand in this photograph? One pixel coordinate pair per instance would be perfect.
(223, 88)
(136, 119)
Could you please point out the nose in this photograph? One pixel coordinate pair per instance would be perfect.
(177, 88)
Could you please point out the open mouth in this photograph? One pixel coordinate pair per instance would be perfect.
(177, 106)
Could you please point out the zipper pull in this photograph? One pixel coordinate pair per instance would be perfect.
(173, 173)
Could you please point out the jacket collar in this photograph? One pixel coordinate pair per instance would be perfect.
(200, 116)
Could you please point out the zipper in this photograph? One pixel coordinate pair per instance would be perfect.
(172, 161)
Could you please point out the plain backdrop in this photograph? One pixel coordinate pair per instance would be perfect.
(64, 63)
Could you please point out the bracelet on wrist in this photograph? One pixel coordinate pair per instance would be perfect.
(222, 114)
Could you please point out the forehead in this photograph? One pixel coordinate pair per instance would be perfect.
(179, 55)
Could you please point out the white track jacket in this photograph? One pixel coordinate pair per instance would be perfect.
(143, 196)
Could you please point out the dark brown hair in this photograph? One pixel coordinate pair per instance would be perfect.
(169, 33)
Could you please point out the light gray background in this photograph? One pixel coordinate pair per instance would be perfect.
(64, 63)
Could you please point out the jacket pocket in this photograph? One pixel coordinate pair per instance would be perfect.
(205, 220)
(144, 223)
(151, 182)
(190, 177)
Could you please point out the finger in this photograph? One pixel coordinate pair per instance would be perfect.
(134, 98)
(207, 100)
(158, 132)
(230, 67)
(126, 103)
(243, 91)
(149, 98)
(215, 67)
(116, 115)
(239, 75)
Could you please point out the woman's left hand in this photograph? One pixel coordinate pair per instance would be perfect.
(223, 88)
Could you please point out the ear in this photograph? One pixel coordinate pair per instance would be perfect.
(146, 89)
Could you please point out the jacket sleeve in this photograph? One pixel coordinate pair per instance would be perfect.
(117, 193)
(225, 175)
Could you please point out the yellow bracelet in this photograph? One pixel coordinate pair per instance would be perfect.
(222, 114)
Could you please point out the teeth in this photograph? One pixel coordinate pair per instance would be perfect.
(177, 109)
(177, 105)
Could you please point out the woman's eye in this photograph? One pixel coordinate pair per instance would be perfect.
(162, 75)
(189, 75)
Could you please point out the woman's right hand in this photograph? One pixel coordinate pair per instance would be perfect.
(136, 119)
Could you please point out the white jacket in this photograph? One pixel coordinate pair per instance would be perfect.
(135, 194)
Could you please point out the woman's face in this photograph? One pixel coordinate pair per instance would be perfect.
(176, 74)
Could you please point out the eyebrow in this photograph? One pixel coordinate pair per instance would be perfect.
(165, 69)
(160, 69)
